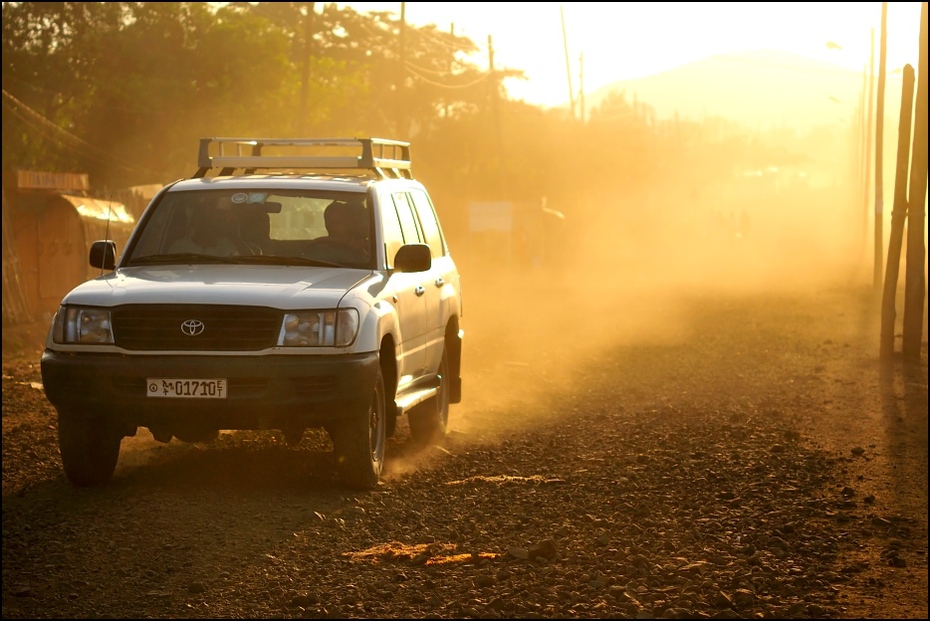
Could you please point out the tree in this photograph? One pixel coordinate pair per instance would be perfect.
(124, 90)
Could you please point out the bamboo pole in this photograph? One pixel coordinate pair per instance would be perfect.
(898, 216)
(879, 155)
(914, 280)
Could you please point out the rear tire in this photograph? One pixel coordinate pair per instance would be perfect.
(428, 421)
(359, 442)
(89, 449)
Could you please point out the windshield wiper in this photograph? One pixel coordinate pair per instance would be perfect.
(188, 258)
(180, 257)
(263, 259)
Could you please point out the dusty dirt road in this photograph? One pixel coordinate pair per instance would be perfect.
(718, 452)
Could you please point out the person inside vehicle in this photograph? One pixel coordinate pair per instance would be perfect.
(347, 227)
(214, 230)
(255, 229)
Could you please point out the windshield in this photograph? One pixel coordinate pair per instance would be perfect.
(295, 227)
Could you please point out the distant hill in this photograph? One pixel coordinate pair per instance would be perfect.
(761, 89)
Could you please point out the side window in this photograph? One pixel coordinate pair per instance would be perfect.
(393, 235)
(408, 222)
(429, 223)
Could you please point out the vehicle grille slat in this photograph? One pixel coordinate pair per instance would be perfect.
(225, 328)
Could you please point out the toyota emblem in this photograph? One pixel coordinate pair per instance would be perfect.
(192, 327)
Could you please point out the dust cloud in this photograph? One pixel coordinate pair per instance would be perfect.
(546, 302)
(620, 272)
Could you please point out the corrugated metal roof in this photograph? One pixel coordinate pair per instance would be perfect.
(99, 209)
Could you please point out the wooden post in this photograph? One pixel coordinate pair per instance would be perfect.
(898, 215)
(879, 145)
(862, 165)
(914, 284)
(867, 165)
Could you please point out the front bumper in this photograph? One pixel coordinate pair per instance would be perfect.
(264, 392)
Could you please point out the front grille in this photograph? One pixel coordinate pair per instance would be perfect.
(157, 327)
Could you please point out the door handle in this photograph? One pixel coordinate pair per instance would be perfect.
(420, 290)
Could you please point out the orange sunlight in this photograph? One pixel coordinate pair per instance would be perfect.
(629, 40)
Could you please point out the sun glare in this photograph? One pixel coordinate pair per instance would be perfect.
(607, 42)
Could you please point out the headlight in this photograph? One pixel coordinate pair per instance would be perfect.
(330, 328)
(83, 325)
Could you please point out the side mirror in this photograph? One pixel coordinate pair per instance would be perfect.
(103, 254)
(413, 258)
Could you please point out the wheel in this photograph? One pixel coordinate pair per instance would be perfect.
(89, 449)
(428, 421)
(359, 442)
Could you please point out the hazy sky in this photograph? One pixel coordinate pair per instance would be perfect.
(623, 40)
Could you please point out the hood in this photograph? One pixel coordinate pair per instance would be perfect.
(290, 287)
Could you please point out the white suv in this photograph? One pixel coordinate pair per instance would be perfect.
(307, 284)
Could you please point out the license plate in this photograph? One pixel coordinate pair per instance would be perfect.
(186, 388)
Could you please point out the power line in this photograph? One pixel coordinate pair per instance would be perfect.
(478, 80)
(434, 38)
(46, 122)
(38, 89)
(138, 111)
(44, 132)
(436, 72)
(254, 8)
(37, 121)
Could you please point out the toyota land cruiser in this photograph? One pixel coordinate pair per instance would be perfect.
(288, 284)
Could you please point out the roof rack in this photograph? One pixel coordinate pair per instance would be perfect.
(386, 158)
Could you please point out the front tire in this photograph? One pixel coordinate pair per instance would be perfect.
(89, 449)
(429, 420)
(359, 442)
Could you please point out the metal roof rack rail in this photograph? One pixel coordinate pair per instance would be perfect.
(385, 158)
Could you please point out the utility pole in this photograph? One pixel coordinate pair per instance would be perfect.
(304, 115)
(879, 145)
(448, 108)
(868, 141)
(495, 110)
(914, 283)
(401, 116)
(568, 64)
(581, 85)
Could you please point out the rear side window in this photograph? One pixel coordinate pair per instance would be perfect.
(393, 235)
(408, 221)
(430, 225)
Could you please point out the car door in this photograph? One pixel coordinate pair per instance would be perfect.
(440, 282)
(399, 226)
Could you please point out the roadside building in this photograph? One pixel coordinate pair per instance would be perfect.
(50, 221)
